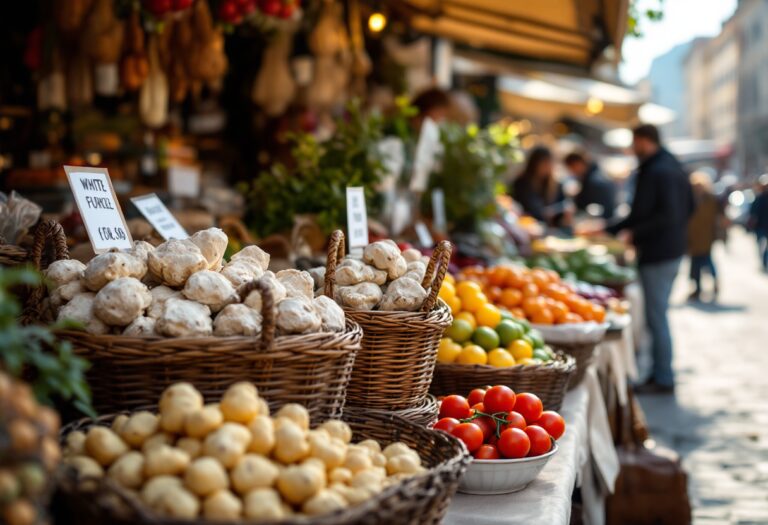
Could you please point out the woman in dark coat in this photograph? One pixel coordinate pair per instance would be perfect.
(537, 190)
(702, 232)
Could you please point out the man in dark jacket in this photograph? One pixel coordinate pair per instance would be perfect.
(596, 188)
(662, 204)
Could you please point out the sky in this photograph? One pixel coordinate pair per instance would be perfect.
(683, 20)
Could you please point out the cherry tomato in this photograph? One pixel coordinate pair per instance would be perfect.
(470, 434)
(553, 423)
(540, 440)
(478, 407)
(454, 406)
(492, 440)
(486, 452)
(447, 424)
(500, 398)
(515, 420)
(487, 425)
(529, 406)
(476, 396)
(514, 443)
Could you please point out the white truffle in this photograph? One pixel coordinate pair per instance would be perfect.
(212, 243)
(141, 326)
(237, 319)
(331, 314)
(64, 271)
(297, 283)
(411, 254)
(65, 293)
(182, 318)
(297, 316)
(276, 287)
(121, 301)
(318, 276)
(363, 296)
(160, 294)
(107, 267)
(253, 253)
(385, 255)
(416, 271)
(352, 271)
(174, 261)
(210, 288)
(80, 309)
(403, 294)
(242, 271)
(141, 250)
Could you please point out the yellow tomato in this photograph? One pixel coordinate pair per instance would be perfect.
(448, 351)
(447, 292)
(488, 315)
(449, 279)
(473, 302)
(500, 358)
(472, 355)
(454, 303)
(520, 349)
(468, 317)
(528, 361)
(467, 288)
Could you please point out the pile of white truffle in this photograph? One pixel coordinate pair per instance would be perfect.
(184, 288)
(386, 279)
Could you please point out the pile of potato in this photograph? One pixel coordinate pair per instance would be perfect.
(29, 453)
(232, 460)
(184, 288)
(385, 279)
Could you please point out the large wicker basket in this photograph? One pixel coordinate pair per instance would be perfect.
(394, 367)
(549, 380)
(583, 353)
(421, 500)
(314, 369)
(423, 414)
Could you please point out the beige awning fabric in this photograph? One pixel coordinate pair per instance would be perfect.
(571, 32)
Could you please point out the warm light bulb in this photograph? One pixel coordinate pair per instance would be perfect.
(377, 22)
(594, 106)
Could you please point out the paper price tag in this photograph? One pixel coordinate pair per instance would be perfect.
(184, 181)
(427, 149)
(159, 216)
(422, 232)
(95, 198)
(438, 210)
(357, 218)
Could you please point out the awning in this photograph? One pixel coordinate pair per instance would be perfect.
(574, 32)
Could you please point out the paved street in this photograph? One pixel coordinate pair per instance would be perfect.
(719, 419)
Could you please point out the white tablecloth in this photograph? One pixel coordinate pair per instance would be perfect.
(587, 443)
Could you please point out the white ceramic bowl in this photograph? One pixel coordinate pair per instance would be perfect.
(502, 476)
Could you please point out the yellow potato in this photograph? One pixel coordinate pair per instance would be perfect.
(138, 428)
(397, 449)
(240, 403)
(103, 445)
(128, 470)
(205, 476)
(156, 441)
(118, 422)
(154, 488)
(222, 505)
(298, 483)
(177, 401)
(262, 431)
(357, 460)
(324, 502)
(329, 450)
(295, 412)
(177, 502)
(253, 471)
(192, 446)
(203, 421)
(227, 444)
(165, 460)
(353, 495)
(372, 445)
(264, 504)
(74, 444)
(338, 429)
(85, 466)
(290, 442)
(404, 464)
(340, 475)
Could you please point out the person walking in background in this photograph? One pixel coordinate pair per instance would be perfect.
(537, 190)
(596, 188)
(702, 232)
(658, 222)
(758, 221)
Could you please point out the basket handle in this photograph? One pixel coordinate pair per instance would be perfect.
(436, 270)
(267, 310)
(336, 251)
(47, 231)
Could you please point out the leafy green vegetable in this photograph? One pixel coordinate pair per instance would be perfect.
(56, 371)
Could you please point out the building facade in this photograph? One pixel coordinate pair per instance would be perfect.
(665, 85)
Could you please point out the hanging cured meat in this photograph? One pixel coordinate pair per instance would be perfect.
(153, 98)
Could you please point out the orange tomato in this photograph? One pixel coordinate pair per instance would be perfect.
(518, 313)
(573, 318)
(598, 313)
(531, 305)
(543, 316)
(559, 311)
(511, 297)
(496, 276)
(514, 278)
(554, 277)
(493, 293)
(530, 290)
(540, 277)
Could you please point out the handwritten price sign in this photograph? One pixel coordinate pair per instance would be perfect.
(97, 202)
(159, 216)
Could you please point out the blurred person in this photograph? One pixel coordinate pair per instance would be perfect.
(537, 190)
(596, 187)
(703, 228)
(434, 103)
(658, 223)
(758, 221)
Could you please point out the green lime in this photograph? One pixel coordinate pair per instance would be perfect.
(508, 331)
(486, 337)
(525, 324)
(459, 331)
(542, 354)
(527, 339)
(505, 314)
(537, 338)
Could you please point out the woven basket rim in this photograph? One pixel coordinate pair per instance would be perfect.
(563, 362)
(441, 313)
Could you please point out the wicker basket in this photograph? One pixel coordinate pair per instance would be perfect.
(583, 353)
(549, 381)
(394, 367)
(416, 501)
(424, 414)
(312, 370)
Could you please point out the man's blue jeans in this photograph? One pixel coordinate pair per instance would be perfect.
(657, 280)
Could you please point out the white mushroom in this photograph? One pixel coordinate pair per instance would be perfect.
(80, 309)
(297, 316)
(210, 288)
(255, 254)
(142, 327)
(385, 255)
(107, 267)
(276, 287)
(403, 294)
(174, 261)
(212, 243)
(121, 301)
(237, 319)
(64, 271)
(330, 313)
(181, 318)
(363, 296)
(297, 283)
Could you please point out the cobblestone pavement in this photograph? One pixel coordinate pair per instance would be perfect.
(718, 420)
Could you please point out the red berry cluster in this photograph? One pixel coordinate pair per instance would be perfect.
(233, 11)
(494, 422)
(163, 7)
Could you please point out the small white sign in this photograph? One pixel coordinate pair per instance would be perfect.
(438, 210)
(357, 218)
(422, 232)
(427, 149)
(159, 216)
(97, 202)
(184, 181)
